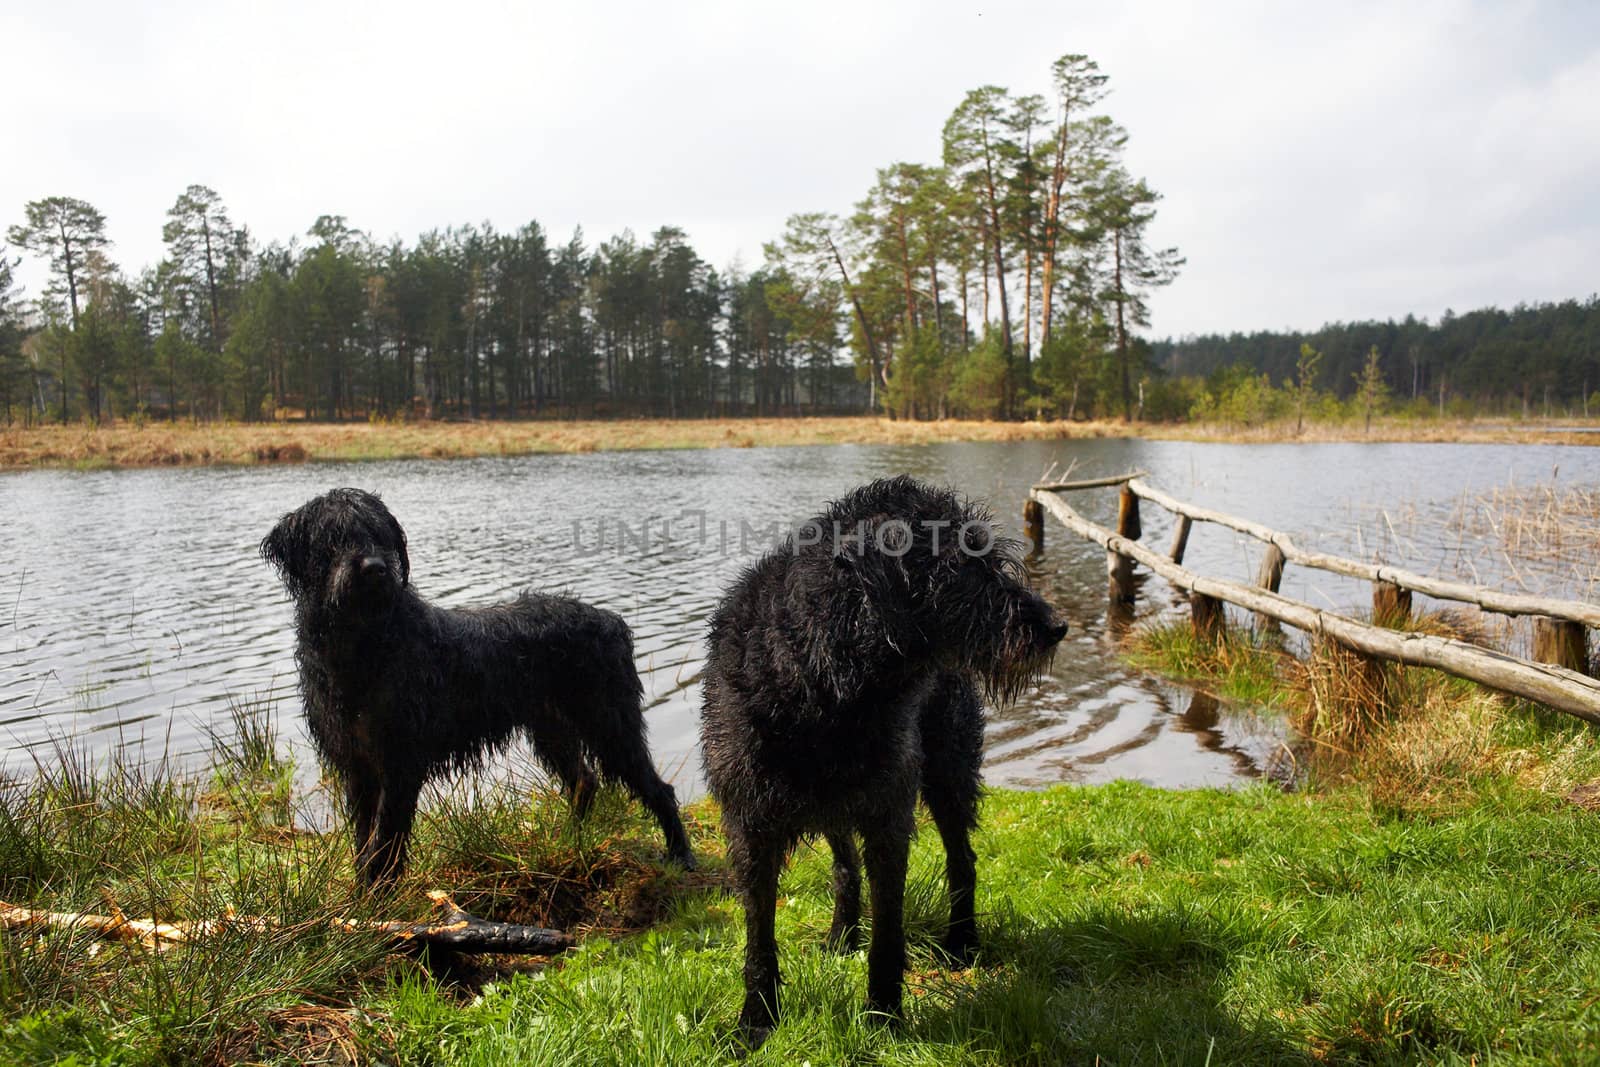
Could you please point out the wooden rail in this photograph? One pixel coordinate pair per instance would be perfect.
(1555, 685)
(1488, 599)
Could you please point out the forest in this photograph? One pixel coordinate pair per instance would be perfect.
(1533, 360)
(1010, 278)
(1011, 275)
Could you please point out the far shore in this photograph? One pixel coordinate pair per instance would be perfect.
(159, 444)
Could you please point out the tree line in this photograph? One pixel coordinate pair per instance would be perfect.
(1535, 359)
(468, 321)
(1010, 276)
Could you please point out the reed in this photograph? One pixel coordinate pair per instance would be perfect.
(1554, 528)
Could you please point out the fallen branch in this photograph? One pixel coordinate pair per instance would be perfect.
(455, 929)
(1090, 483)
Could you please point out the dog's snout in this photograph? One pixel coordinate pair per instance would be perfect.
(372, 567)
(1058, 630)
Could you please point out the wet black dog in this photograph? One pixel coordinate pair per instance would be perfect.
(841, 682)
(398, 691)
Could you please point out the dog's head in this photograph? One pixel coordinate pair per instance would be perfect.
(340, 550)
(943, 582)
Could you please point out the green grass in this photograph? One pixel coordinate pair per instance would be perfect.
(1243, 668)
(1121, 923)
(1124, 923)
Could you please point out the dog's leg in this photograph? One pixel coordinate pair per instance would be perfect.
(885, 848)
(961, 872)
(844, 936)
(562, 755)
(629, 763)
(756, 861)
(952, 752)
(384, 858)
(361, 801)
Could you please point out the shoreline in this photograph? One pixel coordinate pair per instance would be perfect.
(126, 445)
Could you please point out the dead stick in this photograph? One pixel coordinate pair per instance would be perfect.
(456, 929)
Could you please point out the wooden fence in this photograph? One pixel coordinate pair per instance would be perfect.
(1556, 675)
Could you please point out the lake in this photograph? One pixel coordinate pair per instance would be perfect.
(134, 606)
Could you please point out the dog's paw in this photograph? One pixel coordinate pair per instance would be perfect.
(750, 1038)
(845, 940)
(960, 949)
(756, 1024)
(885, 1017)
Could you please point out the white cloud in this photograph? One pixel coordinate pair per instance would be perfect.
(1361, 161)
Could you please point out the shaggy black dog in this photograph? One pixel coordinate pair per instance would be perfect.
(398, 691)
(842, 681)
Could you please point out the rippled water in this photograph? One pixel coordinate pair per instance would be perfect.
(133, 605)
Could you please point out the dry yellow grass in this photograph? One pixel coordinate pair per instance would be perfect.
(189, 444)
(127, 445)
(1388, 430)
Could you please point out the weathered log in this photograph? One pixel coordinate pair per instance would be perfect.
(1488, 599)
(1089, 483)
(1557, 687)
(1033, 525)
(1566, 644)
(1391, 605)
(455, 929)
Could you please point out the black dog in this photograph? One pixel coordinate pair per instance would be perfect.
(397, 691)
(839, 684)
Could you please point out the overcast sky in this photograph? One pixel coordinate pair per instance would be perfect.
(1363, 161)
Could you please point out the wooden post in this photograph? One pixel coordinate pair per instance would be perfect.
(1033, 525)
(1119, 568)
(1269, 578)
(1563, 643)
(1180, 539)
(1271, 574)
(1128, 514)
(1119, 578)
(1210, 624)
(1391, 605)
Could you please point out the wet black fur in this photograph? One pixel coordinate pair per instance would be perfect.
(398, 691)
(842, 681)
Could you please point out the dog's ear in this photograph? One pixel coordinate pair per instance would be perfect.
(865, 567)
(399, 546)
(281, 549)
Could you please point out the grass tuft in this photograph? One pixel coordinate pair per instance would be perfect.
(1410, 737)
